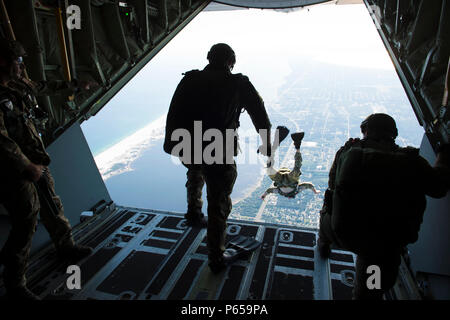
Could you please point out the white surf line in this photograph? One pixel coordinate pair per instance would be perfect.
(126, 151)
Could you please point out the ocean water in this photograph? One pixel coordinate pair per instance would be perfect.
(155, 181)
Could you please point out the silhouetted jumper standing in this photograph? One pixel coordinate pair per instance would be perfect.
(215, 98)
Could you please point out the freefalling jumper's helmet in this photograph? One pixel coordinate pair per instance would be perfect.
(221, 54)
(379, 125)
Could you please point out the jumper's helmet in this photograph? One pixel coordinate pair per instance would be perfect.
(11, 50)
(379, 125)
(221, 54)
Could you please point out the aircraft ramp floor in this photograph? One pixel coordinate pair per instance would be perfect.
(145, 254)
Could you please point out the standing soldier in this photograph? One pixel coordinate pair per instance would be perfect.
(24, 164)
(214, 97)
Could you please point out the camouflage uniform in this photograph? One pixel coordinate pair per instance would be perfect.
(219, 181)
(20, 145)
(395, 213)
(214, 96)
(285, 178)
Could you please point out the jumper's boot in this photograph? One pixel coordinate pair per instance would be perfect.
(217, 266)
(196, 220)
(237, 248)
(297, 138)
(15, 285)
(280, 134)
(20, 293)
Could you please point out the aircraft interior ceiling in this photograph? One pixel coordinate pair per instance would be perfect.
(114, 41)
(271, 4)
(415, 35)
(119, 37)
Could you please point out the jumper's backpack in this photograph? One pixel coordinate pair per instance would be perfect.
(375, 204)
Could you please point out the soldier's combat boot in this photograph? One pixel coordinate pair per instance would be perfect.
(217, 266)
(20, 293)
(15, 283)
(297, 138)
(74, 253)
(198, 223)
(196, 220)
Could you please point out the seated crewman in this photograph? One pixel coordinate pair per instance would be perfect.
(286, 182)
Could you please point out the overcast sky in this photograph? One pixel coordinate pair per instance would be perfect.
(265, 41)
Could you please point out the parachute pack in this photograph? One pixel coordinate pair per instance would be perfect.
(375, 205)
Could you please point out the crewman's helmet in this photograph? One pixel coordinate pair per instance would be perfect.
(221, 54)
(379, 126)
(11, 50)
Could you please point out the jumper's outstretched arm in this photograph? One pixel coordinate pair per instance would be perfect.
(307, 185)
(270, 190)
